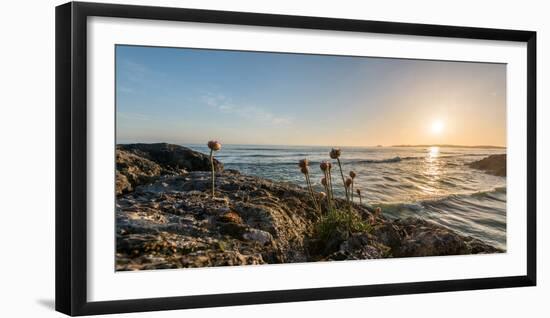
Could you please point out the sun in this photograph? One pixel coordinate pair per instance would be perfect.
(437, 127)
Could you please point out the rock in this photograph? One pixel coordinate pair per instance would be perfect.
(494, 164)
(263, 221)
(142, 164)
(170, 220)
(122, 184)
(172, 157)
(389, 234)
(134, 170)
(231, 216)
(428, 239)
(259, 236)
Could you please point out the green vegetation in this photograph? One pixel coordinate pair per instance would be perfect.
(338, 224)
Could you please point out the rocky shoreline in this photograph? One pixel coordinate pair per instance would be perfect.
(166, 218)
(493, 164)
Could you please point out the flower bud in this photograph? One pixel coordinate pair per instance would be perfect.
(303, 163)
(305, 169)
(324, 165)
(214, 145)
(352, 174)
(335, 153)
(348, 182)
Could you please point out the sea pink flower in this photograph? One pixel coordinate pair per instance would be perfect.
(348, 182)
(335, 153)
(305, 169)
(214, 145)
(303, 163)
(324, 181)
(324, 165)
(352, 174)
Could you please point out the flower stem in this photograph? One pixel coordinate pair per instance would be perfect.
(213, 173)
(310, 188)
(327, 187)
(343, 179)
(330, 183)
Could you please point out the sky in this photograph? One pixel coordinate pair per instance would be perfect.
(190, 96)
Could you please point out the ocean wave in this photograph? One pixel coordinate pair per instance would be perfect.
(282, 155)
(399, 159)
(387, 160)
(496, 194)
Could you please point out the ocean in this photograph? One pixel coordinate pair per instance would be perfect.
(433, 183)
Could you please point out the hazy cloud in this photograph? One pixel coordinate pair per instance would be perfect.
(256, 113)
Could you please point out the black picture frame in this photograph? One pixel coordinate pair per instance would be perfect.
(71, 157)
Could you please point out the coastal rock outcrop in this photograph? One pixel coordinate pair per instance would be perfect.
(138, 164)
(172, 221)
(172, 157)
(494, 164)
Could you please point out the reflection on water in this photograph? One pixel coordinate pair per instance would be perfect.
(433, 172)
(428, 182)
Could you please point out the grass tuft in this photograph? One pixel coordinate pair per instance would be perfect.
(334, 225)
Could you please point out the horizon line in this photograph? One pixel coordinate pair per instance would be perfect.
(312, 145)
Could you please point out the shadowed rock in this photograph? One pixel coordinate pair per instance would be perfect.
(494, 164)
(172, 157)
(139, 164)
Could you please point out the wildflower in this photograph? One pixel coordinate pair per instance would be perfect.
(378, 212)
(335, 153)
(325, 183)
(348, 182)
(359, 194)
(324, 165)
(214, 145)
(305, 170)
(352, 174)
(303, 163)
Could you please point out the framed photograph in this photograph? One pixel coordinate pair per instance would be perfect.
(210, 158)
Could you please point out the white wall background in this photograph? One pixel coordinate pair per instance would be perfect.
(27, 158)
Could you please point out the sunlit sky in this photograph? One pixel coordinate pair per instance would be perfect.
(193, 95)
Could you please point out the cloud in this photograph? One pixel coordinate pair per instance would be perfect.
(221, 103)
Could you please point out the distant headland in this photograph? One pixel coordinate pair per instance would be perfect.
(453, 146)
